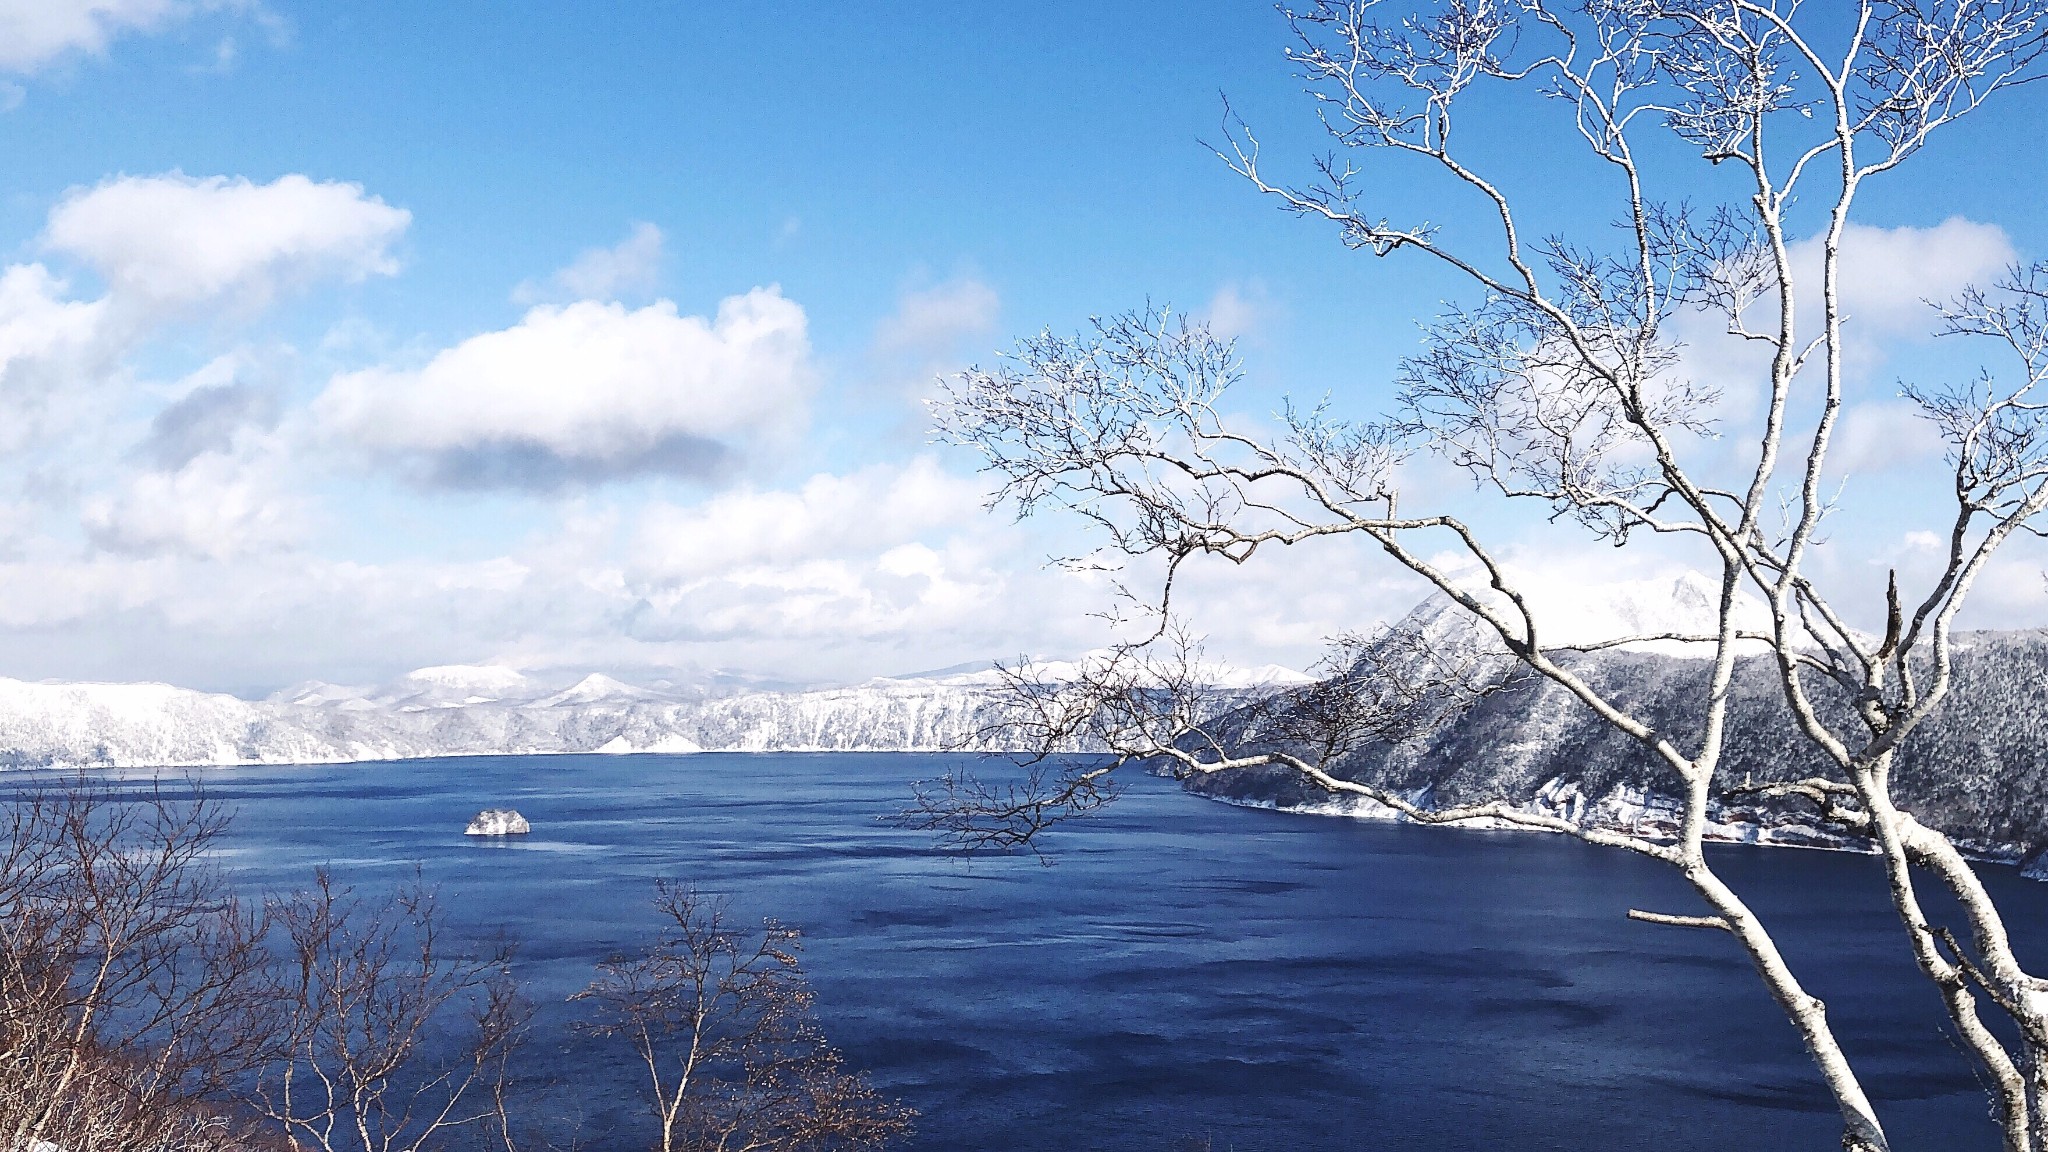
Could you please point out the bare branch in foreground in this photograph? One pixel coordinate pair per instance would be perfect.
(1718, 922)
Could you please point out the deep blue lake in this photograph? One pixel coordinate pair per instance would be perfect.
(1184, 971)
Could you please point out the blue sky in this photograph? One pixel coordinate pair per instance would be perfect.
(297, 469)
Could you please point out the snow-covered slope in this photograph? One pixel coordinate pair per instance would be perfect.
(484, 710)
(1978, 769)
(1618, 614)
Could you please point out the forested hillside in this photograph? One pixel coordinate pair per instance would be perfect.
(1978, 771)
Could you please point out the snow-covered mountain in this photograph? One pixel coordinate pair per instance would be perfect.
(460, 710)
(1685, 604)
(1978, 770)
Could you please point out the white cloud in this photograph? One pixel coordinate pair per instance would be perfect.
(863, 513)
(216, 505)
(588, 390)
(52, 347)
(38, 322)
(175, 240)
(1888, 275)
(212, 477)
(1882, 437)
(67, 380)
(262, 620)
(159, 241)
(933, 321)
(2012, 591)
(225, 53)
(901, 557)
(931, 333)
(631, 267)
(1921, 541)
(213, 416)
(904, 557)
(1237, 311)
(886, 569)
(34, 32)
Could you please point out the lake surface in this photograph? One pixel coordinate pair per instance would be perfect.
(1185, 972)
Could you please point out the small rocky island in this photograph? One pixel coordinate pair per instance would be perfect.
(497, 822)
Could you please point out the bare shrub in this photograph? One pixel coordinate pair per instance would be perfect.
(723, 1022)
(389, 1038)
(128, 991)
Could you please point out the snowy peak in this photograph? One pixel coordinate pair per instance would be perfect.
(1688, 604)
(1685, 604)
(463, 684)
(1265, 677)
(598, 688)
(318, 693)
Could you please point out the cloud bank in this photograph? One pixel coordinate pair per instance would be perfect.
(588, 391)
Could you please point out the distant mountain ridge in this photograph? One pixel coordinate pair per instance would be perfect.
(1978, 770)
(462, 710)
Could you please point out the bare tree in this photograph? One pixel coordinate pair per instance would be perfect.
(128, 998)
(388, 1037)
(723, 1022)
(1563, 387)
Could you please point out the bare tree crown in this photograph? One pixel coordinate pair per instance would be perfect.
(1732, 139)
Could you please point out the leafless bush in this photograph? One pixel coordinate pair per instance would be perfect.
(722, 1021)
(389, 1038)
(129, 997)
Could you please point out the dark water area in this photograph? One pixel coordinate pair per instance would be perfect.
(1184, 972)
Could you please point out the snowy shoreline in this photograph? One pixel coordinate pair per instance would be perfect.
(1787, 834)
